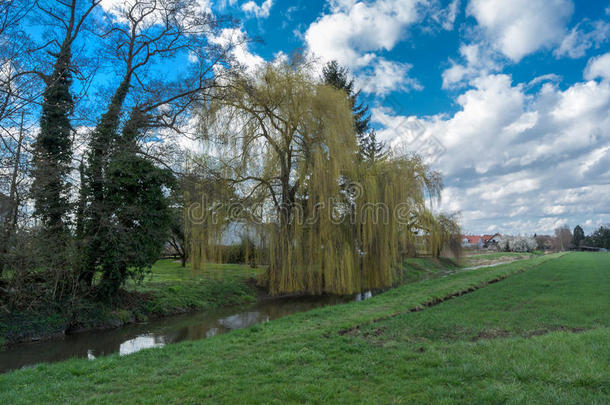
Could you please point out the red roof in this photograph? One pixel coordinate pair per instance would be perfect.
(472, 238)
(486, 238)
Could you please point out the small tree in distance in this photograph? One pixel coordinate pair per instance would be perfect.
(578, 236)
(563, 238)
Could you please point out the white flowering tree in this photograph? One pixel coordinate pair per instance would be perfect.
(517, 244)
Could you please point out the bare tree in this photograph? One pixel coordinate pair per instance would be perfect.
(16, 168)
(562, 239)
(14, 76)
(18, 87)
(19, 90)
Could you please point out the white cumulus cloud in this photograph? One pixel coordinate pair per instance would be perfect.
(520, 27)
(355, 29)
(598, 67)
(386, 76)
(235, 39)
(582, 37)
(358, 34)
(477, 60)
(528, 161)
(254, 9)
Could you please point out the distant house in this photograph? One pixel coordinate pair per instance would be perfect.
(481, 241)
(491, 241)
(472, 241)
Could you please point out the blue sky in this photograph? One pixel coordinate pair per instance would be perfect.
(510, 100)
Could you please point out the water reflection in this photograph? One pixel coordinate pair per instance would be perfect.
(363, 296)
(212, 332)
(243, 320)
(158, 333)
(139, 343)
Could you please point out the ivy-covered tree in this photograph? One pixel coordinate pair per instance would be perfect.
(52, 155)
(53, 150)
(138, 215)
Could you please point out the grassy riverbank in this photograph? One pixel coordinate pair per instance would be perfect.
(542, 335)
(483, 258)
(174, 289)
(168, 289)
(422, 268)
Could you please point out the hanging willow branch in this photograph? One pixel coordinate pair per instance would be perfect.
(328, 223)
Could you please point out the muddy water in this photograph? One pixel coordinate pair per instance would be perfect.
(132, 338)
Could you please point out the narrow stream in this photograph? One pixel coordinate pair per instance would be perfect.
(156, 333)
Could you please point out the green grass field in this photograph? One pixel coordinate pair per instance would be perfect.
(540, 335)
(572, 294)
(175, 289)
(168, 271)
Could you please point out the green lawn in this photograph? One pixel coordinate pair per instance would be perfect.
(168, 271)
(539, 336)
(175, 289)
(571, 294)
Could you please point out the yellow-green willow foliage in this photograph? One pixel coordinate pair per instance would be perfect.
(332, 224)
(391, 212)
(207, 201)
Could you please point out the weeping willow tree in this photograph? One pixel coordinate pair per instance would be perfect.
(285, 144)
